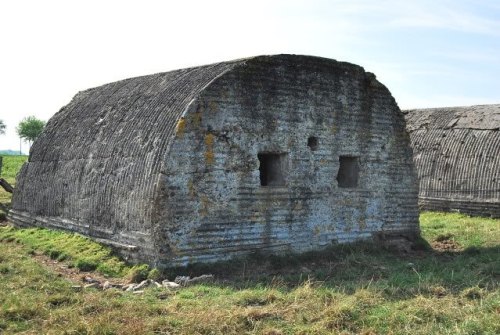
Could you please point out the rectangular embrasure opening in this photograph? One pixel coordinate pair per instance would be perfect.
(348, 172)
(312, 143)
(272, 169)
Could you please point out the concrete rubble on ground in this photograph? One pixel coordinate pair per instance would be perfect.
(138, 288)
(186, 280)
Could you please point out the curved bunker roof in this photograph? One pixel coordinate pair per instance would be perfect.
(457, 156)
(102, 153)
(277, 153)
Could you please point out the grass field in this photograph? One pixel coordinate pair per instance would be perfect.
(449, 288)
(10, 167)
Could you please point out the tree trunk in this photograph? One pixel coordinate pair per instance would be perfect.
(6, 186)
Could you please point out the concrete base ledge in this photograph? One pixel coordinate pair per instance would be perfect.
(473, 208)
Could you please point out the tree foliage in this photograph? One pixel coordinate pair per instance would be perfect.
(2, 127)
(30, 128)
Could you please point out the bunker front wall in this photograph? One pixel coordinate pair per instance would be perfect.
(306, 119)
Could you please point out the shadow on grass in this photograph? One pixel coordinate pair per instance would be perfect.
(351, 267)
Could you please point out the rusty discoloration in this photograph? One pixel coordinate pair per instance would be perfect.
(209, 148)
(180, 126)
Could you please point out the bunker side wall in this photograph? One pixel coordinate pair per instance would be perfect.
(96, 167)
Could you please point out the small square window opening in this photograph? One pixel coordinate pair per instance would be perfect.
(348, 174)
(271, 168)
(312, 143)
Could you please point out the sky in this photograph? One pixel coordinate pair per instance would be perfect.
(429, 53)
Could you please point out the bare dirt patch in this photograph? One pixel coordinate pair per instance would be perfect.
(446, 243)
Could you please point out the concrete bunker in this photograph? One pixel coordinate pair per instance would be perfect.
(457, 156)
(211, 162)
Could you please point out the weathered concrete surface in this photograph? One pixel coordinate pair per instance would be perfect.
(457, 155)
(167, 165)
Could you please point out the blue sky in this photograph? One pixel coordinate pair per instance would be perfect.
(428, 53)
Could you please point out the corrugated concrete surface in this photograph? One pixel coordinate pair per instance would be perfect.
(457, 156)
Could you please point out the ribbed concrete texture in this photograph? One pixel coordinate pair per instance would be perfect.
(272, 153)
(457, 155)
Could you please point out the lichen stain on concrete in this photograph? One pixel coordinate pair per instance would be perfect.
(209, 150)
(180, 127)
(196, 119)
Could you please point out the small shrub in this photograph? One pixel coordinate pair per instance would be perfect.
(112, 267)
(138, 273)
(85, 265)
(62, 257)
(53, 254)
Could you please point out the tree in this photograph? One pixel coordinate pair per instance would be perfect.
(30, 128)
(2, 127)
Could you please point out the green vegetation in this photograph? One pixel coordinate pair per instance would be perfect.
(78, 251)
(10, 167)
(470, 233)
(452, 288)
(30, 128)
